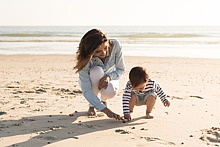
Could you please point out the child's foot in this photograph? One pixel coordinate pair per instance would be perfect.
(91, 111)
(149, 116)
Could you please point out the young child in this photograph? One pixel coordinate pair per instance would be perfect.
(140, 90)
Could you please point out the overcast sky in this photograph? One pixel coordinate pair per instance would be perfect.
(110, 12)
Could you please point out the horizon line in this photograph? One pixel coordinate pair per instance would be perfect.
(110, 25)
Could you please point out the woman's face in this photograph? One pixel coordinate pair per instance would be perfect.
(102, 50)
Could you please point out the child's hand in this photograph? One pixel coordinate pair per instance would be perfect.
(127, 116)
(166, 103)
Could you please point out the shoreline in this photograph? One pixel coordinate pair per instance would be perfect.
(124, 56)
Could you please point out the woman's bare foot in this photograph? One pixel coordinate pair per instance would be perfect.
(91, 111)
(149, 116)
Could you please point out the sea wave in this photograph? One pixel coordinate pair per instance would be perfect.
(123, 41)
(37, 35)
(161, 35)
(138, 35)
(41, 40)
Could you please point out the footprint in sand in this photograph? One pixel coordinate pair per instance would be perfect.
(121, 131)
(211, 135)
(2, 113)
(159, 140)
(47, 138)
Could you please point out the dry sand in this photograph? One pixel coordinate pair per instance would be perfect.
(41, 105)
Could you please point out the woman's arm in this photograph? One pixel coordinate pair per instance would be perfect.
(85, 84)
(119, 62)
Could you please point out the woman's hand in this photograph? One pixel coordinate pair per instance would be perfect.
(111, 114)
(103, 83)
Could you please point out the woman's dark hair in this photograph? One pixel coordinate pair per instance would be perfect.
(88, 44)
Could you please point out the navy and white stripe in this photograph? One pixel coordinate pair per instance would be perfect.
(151, 86)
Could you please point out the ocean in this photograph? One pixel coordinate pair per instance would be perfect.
(149, 41)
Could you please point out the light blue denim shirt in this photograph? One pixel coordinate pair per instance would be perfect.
(113, 66)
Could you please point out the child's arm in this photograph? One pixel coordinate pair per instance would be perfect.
(126, 98)
(161, 94)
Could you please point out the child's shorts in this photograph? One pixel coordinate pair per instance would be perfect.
(141, 99)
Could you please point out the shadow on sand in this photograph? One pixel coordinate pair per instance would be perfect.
(48, 129)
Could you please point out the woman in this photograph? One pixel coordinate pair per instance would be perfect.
(100, 64)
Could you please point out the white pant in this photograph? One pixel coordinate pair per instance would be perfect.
(96, 73)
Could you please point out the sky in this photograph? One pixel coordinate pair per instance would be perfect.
(109, 12)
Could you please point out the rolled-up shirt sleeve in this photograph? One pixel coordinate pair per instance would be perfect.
(85, 84)
(119, 62)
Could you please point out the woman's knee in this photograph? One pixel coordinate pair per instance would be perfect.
(109, 92)
(96, 71)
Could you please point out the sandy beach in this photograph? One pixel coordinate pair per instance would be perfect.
(41, 104)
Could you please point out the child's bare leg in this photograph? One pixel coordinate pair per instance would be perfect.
(91, 111)
(132, 102)
(150, 105)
